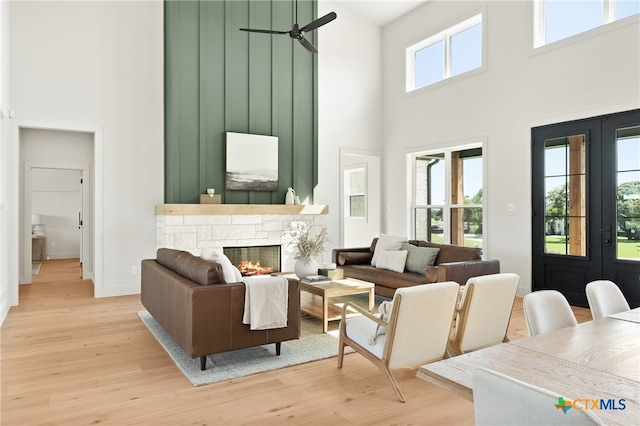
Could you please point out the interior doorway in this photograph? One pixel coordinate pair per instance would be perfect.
(57, 187)
(360, 198)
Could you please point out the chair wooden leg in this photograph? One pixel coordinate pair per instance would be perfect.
(393, 381)
(203, 362)
(341, 346)
(278, 346)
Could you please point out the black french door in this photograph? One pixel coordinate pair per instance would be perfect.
(586, 205)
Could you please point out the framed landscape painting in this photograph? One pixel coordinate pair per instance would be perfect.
(252, 162)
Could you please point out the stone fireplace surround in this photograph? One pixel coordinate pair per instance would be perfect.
(191, 227)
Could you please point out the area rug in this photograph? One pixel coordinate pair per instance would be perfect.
(312, 345)
(35, 268)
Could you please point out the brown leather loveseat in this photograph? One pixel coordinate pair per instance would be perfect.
(189, 298)
(452, 263)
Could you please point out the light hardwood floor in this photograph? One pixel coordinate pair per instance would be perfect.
(70, 359)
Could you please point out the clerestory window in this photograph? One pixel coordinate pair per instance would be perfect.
(449, 53)
(559, 19)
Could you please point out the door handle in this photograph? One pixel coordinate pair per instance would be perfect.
(606, 238)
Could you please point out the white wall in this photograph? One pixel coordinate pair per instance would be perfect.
(349, 100)
(97, 67)
(592, 75)
(5, 267)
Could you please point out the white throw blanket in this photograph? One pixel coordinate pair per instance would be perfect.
(266, 302)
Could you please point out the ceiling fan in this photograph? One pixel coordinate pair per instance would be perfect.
(297, 32)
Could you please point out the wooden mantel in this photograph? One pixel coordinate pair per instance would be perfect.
(230, 209)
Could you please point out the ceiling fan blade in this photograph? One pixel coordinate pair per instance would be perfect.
(319, 22)
(310, 47)
(250, 30)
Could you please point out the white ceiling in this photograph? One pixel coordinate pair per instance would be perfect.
(381, 12)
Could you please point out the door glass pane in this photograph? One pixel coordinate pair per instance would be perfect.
(565, 196)
(429, 225)
(628, 193)
(556, 239)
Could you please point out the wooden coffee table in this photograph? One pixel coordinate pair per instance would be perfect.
(314, 298)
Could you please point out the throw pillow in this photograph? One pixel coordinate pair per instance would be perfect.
(392, 260)
(215, 256)
(419, 259)
(238, 275)
(386, 242)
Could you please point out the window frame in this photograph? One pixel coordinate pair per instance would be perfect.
(448, 206)
(348, 194)
(608, 23)
(478, 17)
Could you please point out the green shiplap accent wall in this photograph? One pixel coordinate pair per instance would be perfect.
(219, 79)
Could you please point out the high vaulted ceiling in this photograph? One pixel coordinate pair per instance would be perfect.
(381, 12)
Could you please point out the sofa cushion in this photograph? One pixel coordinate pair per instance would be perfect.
(386, 242)
(419, 259)
(227, 267)
(199, 270)
(167, 257)
(450, 253)
(392, 260)
(354, 258)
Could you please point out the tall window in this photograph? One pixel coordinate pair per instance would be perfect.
(565, 195)
(355, 187)
(448, 197)
(449, 53)
(558, 19)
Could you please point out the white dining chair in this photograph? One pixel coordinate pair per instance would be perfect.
(416, 333)
(605, 298)
(547, 310)
(502, 400)
(483, 314)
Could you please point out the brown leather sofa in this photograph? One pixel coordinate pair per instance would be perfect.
(189, 298)
(453, 263)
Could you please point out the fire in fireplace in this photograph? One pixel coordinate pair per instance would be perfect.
(254, 260)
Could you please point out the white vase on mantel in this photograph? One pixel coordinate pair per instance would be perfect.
(289, 199)
(304, 268)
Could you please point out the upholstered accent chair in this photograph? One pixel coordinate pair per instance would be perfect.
(547, 310)
(483, 314)
(416, 332)
(503, 400)
(605, 298)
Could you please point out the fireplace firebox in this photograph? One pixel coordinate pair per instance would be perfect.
(254, 260)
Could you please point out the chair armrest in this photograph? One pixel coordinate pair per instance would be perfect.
(362, 311)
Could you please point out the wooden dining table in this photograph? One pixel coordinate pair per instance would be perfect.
(597, 359)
